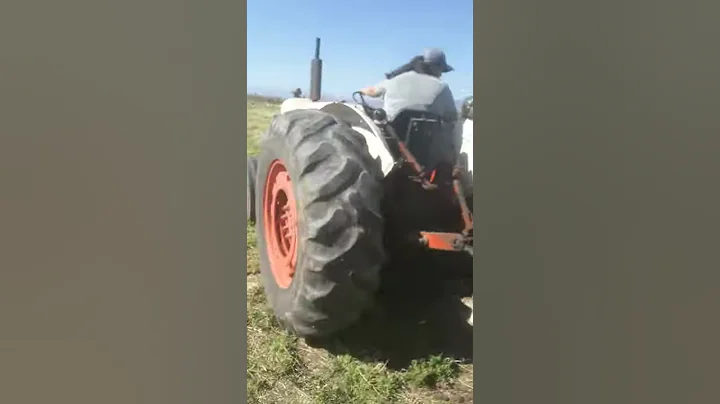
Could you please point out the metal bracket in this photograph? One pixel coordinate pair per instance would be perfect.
(443, 241)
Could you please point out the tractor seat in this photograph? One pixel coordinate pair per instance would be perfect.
(419, 131)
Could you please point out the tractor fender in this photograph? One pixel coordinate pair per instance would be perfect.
(354, 116)
(467, 145)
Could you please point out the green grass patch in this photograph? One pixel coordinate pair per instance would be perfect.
(253, 257)
(432, 371)
(346, 380)
(259, 115)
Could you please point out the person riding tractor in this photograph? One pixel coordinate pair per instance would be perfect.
(417, 85)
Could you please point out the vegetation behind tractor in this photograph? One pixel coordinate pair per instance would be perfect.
(335, 191)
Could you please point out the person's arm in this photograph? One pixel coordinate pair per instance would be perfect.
(377, 90)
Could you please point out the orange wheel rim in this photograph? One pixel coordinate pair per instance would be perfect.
(280, 223)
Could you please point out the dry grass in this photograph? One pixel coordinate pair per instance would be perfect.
(283, 369)
(259, 114)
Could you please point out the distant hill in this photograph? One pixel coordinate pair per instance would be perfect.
(265, 98)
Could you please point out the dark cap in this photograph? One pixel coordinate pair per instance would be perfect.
(436, 57)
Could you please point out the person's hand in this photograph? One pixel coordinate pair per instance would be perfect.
(369, 91)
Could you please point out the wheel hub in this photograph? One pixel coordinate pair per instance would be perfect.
(280, 223)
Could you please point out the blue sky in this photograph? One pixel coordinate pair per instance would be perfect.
(361, 40)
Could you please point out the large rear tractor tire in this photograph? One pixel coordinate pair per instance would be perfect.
(251, 187)
(319, 222)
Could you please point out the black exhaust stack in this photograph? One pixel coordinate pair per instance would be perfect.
(316, 73)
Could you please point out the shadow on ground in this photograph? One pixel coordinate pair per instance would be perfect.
(419, 313)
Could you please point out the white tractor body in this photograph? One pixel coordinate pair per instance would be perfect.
(354, 115)
(467, 149)
(364, 126)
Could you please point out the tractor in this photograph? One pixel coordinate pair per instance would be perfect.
(336, 190)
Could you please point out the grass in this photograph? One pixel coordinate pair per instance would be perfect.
(259, 114)
(284, 369)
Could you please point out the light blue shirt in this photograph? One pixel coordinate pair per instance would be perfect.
(415, 91)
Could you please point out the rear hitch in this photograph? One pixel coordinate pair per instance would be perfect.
(445, 241)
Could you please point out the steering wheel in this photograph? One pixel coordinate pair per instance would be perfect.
(377, 114)
(359, 98)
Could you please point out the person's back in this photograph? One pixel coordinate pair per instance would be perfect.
(412, 90)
